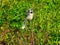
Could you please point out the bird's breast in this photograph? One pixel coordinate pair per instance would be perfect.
(29, 17)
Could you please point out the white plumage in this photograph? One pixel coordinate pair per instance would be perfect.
(23, 26)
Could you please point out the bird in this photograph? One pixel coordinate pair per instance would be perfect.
(29, 15)
(28, 18)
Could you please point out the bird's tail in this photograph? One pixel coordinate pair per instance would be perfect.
(24, 24)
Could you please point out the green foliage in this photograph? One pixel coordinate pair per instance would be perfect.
(46, 19)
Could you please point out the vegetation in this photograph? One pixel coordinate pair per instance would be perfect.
(44, 29)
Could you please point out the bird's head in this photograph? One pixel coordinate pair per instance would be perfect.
(30, 11)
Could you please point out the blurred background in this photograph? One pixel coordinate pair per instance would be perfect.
(43, 29)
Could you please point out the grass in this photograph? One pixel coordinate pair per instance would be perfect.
(44, 29)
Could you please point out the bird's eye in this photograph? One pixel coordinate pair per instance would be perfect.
(31, 12)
